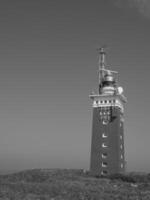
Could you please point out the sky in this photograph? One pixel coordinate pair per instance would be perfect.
(48, 68)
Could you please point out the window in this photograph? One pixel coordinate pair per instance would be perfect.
(104, 155)
(94, 102)
(121, 137)
(121, 156)
(104, 164)
(105, 122)
(104, 145)
(104, 135)
(120, 124)
(121, 146)
(104, 172)
(109, 101)
(121, 165)
(105, 101)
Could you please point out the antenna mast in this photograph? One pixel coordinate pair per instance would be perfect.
(101, 63)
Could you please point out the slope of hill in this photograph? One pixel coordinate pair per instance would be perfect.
(58, 184)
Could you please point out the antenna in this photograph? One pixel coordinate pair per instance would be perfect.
(102, 55)
(101, 65)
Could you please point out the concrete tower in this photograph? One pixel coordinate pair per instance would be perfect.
(107, 147)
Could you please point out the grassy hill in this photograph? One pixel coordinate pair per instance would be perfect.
(59, 184)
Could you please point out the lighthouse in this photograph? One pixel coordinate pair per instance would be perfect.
(107, 145)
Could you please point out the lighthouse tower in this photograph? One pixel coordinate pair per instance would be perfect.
(107, 147)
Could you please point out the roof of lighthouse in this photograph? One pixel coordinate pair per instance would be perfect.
(108, 85)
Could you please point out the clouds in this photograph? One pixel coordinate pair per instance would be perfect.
(143, 6)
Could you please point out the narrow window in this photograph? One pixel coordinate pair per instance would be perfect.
(94, 103)
(121, 147)
(104, 135)
(104, 145)
(105, 122)
(121, 156)
(121, 137)
(121, 165)
(104, 172)
(104, 155)
(104, 164)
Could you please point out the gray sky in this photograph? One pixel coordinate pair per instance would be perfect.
(48, 67)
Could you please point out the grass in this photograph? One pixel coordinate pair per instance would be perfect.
(58, 184)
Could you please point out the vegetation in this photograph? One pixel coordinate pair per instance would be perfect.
(56, 184)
